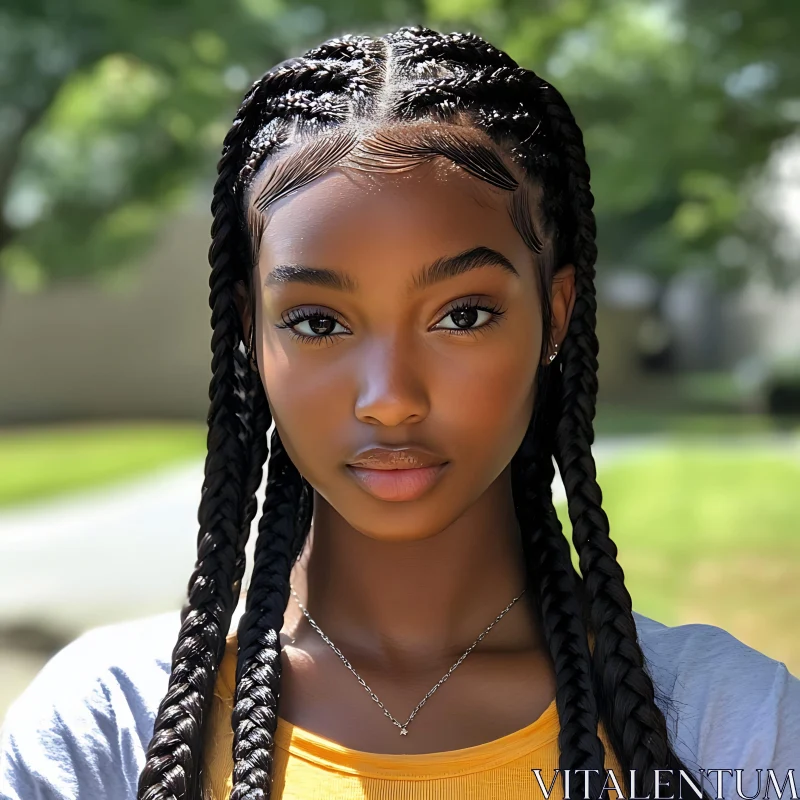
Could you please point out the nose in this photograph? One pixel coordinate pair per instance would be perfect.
(392, 389)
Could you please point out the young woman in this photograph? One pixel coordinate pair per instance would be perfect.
(401, 280)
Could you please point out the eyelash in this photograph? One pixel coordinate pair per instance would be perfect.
(298, 315)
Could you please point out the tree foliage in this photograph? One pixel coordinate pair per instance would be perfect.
(112, 110)
(681, 104)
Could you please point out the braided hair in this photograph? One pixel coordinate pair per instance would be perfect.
(410, 76)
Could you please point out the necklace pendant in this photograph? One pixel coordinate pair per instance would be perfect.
(403, 728)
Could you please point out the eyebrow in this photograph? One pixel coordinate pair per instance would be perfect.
(440, 270)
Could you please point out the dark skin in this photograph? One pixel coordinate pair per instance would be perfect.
(403, 588)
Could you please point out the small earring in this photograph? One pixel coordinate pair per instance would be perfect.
(554, 354)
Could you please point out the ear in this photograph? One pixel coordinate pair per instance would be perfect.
(242, 299)
(562, 301)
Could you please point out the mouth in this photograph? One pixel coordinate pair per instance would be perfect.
(397, 474)
(397, 484)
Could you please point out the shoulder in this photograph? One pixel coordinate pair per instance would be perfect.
(81, 728)
(726, 704)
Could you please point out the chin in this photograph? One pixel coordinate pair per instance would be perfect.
(397, 534)
(413, 521)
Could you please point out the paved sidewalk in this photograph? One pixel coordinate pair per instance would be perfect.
(100, 556)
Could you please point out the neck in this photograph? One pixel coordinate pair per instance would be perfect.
(398, 602)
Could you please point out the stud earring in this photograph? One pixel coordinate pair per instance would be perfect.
(553, 355)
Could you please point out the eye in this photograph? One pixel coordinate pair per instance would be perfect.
(312, 324)
(468, 316)
(317, 326)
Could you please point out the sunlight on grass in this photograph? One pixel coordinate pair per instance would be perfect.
(615, 420)
(711, 535)
(47, 462)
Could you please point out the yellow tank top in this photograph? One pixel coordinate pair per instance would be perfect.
(310, 767)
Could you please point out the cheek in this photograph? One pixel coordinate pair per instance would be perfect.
(311, 406)
(488, 397)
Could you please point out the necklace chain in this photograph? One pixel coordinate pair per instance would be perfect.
(402, 725)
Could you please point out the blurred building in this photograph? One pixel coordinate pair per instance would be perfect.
(137, 348)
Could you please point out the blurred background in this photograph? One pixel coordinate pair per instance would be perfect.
(112, 116)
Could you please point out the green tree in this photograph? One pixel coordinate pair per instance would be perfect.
(111, 110)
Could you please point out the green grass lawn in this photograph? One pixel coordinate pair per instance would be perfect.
(613, 420)
(46, 462)
(710, 534)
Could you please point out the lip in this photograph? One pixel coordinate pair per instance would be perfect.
(397, 474)
(397, 485)
(391, 458)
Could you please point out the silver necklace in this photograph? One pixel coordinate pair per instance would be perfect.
(402, 725)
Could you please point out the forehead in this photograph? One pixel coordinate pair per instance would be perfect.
(350, 217)
(345, 195)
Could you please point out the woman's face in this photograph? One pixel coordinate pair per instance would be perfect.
(372, 334)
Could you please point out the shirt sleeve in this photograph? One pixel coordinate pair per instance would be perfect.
(728, 707)
(752, 723)
(786, 748)
(61, 752)
(81, 728)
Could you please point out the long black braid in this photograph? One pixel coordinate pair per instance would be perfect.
(409, 75)
(171, 769)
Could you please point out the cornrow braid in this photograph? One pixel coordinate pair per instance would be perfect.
(257, 423)
(345, 48)
(259, 662)
(303, 90)
(406, 76)
(637, 728)
(513, 118)
(558, 590)
(416, 44)
(171, 768)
